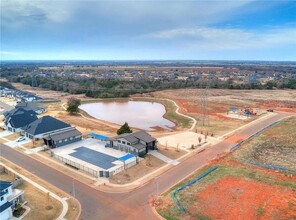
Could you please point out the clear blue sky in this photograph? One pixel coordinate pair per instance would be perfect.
(148, 30)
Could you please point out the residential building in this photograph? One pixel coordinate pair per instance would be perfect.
(137, 143)
(62, 138)
(9, 198)
(31, 106)
(44, 126)
(16, 119)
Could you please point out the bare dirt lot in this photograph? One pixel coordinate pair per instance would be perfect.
(149, 164)
(219, 101)
(239, 190)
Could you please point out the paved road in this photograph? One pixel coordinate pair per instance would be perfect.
(133, 205)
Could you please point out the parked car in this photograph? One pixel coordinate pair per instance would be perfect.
(269, 110)
(21, 139)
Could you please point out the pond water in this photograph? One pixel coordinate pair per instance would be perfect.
(138, 114)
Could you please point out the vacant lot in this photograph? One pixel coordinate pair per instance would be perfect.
(239, 190)
(276, 146)
(146, 166)
(219, 102)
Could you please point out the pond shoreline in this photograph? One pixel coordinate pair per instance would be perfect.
(154, 117)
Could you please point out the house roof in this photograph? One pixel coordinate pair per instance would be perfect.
(44, 125)
(139, 146)
(136, 136)
(5, 206)
(4, 185)
(21, 117)
(29, 106)
(64, 134)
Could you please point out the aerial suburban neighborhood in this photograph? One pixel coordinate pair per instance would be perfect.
(145, 110)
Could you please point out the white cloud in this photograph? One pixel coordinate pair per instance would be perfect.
(227, 38)
(21, 12)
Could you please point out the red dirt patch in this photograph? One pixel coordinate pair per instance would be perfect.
(239, 198)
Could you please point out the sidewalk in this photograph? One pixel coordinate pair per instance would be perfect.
(62, 200)
(163, 158)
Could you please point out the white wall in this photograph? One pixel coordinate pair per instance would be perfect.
(5, 215)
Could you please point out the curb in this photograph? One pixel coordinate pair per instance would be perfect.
(43, 189)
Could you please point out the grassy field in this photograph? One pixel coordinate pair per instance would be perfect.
(239, 190)
(276, 146)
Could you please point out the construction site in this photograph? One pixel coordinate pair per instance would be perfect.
(256, 180)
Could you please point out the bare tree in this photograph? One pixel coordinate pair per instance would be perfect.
(199, 140)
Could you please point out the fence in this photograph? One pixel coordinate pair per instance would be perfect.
(181, 208)
(253, 135)
(77, 165)
(96, 173)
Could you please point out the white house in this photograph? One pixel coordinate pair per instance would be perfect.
(9, 198)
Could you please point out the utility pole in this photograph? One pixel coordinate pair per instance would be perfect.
(73, 188)
(204, 104)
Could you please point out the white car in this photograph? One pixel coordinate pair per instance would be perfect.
(21, 139)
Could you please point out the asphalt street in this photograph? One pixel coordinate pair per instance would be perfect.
(132, 205)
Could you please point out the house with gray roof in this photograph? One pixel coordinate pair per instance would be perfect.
(44, 126)
(62, 138)
(31, 106)
(16, 119)
(137, 143)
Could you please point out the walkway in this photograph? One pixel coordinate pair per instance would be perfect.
(163, 157)
(43, 189)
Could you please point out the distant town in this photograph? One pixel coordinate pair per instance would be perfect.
(111, 79)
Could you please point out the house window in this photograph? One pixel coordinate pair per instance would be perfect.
(123, 142)
(60, 141)
(6, 191)
(119, 141)
(66, 139)
(71, 138)
(128, 143)
(1, 198)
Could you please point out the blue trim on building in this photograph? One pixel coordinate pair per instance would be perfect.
(126, 157)
(98, 136)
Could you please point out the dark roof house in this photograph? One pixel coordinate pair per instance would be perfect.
(20, 117)
(139, 141)
(62, 138)
(136, 137)
(45, 125)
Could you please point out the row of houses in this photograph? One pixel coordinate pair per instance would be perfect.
(19, 96)
(24, 120)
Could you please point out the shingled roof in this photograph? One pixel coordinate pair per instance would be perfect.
(44, 125)
(64, 134)
(20, 117)
(136, 136)
(29, 106)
